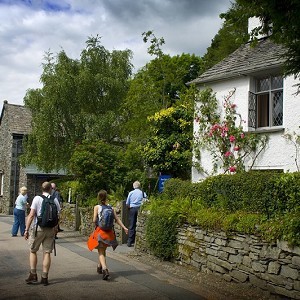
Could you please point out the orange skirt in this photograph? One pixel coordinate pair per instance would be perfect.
(106, 237)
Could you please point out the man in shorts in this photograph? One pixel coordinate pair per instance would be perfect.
(40, 236)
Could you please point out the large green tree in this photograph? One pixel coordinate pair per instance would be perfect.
(231, 35)
(169, 147)
(79, 100)
(281, 17)
(160, 84)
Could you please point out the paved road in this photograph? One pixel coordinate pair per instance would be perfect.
(73, 273)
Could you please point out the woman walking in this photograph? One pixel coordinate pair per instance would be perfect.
(104, 216)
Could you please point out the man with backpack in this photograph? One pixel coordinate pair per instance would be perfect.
(41, 227)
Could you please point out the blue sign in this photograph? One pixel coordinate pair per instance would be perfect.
(161, 181)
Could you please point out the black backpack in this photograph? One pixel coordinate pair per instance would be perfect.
(49, 213)
(106, 217)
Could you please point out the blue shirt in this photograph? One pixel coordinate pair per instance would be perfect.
(135, 198)
(21, 202)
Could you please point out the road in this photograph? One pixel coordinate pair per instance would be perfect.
(73, 273)
(132, 275)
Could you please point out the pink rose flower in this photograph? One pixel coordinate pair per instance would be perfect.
(242, 135)
(236, 148)
(227, 154)
(231, 139)
(232, 169)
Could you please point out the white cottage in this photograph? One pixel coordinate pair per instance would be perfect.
(265, 99)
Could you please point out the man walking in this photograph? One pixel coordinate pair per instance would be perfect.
(133, 202)
(56, 194)
(38, 235)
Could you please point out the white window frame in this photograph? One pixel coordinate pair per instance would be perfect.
(258, 119)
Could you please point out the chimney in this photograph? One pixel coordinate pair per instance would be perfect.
(253, 23)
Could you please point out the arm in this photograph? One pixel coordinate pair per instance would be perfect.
(95, 216)
(118, 221)
(128, 200)
(28, 223)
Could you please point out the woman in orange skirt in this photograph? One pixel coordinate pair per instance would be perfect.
(105, 236)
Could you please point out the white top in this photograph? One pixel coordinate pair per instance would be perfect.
(37, 205)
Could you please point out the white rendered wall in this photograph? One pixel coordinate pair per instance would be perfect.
(279, 153)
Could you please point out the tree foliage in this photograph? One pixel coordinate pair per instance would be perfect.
(279, 17)
(169, 147)
(79, 100)
(152, 90)
(230, 37)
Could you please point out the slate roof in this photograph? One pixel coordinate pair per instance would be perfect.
(245, 60)
(18, 118)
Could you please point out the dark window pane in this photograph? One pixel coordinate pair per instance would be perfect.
(276, 82)
(277, 117)
(263, 110)
(263, 84)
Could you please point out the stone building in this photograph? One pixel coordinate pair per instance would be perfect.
(15, 123)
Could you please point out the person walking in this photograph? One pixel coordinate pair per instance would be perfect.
(19, 212)
(106, 237)
(133, 202)
(56, 194)
(38, 235)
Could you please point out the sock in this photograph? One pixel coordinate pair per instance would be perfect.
(45, 275)
(33, 271)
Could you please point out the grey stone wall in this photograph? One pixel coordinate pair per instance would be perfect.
(5, 164)
(236, 257)
(82, 219)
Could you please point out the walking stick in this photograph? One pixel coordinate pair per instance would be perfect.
(54, 248)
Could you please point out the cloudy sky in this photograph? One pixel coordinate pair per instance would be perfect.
(29, 28)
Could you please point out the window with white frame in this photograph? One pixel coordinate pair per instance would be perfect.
(266, 103)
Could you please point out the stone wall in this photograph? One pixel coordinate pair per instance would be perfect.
(236, 257)
(77, 218)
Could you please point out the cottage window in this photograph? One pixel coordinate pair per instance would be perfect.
(266, 103)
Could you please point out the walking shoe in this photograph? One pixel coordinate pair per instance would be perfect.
(44, 281)
(105, 274)
(99, 269)
(32, 278)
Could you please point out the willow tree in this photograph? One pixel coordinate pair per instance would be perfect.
(79, 100)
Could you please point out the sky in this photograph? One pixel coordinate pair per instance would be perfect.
(30, 28)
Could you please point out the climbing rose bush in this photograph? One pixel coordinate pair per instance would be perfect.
(225, 138)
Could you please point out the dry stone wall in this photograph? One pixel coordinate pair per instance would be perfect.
(236, 257)
(81, 219)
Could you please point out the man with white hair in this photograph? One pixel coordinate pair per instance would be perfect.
(133, 202)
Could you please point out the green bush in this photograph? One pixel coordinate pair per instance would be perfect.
(161, 233)
(256, 202)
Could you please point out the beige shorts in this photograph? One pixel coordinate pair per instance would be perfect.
(44, 236)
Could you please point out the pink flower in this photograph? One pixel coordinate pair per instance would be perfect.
(233, 105)
(236, 148)
(231, 139)
(242, 135)
(227, 154)
(232, 169)
(225, 129)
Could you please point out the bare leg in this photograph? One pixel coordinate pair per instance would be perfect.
(46, 262)
(33, 260)
(102, 257)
